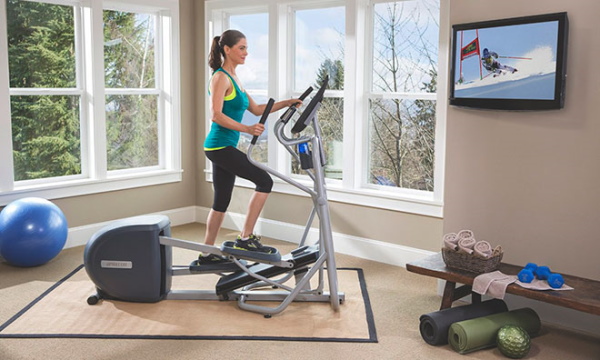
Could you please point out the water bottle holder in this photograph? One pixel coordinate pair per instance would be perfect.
(306, 161)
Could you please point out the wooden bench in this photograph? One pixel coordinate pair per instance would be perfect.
(585, 296)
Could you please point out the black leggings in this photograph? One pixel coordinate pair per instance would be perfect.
(228, 163)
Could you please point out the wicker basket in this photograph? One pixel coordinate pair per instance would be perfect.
(471, 262)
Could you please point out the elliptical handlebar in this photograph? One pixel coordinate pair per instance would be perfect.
(285, 117)
(264, 117)
(301, 123)
(290, 111)
(306, 93)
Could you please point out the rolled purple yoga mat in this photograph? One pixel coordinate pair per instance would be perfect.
(434, 326)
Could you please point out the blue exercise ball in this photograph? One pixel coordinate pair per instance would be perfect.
(32, 232)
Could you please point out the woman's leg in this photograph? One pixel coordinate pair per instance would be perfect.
(213, 225)
(254, 209)
(236, 162)
(223, 182)
(231, 162)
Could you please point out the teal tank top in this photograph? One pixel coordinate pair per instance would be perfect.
(234, 106)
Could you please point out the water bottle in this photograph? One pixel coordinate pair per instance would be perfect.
(305, 156)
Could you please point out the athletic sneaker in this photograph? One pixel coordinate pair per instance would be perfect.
(211, 259)
(253, 244)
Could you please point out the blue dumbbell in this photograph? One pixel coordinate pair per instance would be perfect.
(555, 281)
(531, 266)
(542, 272)
(526, 275)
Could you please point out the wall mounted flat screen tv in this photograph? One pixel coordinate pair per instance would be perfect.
(510, 64)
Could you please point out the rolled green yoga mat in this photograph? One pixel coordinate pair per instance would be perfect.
(480, 333)
(434, 326)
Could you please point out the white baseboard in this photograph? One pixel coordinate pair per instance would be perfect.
(370, 249)
(344, 244)
(80, 235)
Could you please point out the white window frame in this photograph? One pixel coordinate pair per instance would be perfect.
(353, 188)
(94, 177)
(436, 196)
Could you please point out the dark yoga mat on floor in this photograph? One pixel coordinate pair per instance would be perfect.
(480, 333)
(435, 325)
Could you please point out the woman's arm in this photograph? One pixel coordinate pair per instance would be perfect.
(259, 109)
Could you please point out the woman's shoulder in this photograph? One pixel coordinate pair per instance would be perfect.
(220, 77)
(219, 74)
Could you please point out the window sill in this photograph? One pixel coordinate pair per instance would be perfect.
(78, 187)
(419, 203)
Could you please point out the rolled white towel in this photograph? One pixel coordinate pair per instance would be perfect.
(483, 249)
(451, 241)
(465, 234)
(466, 245)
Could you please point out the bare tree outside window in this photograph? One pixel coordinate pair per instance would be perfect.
(402, 117)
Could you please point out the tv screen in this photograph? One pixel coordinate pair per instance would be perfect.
(510, 64)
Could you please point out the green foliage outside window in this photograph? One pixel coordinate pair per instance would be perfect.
(131, 120)
(41, 52)
(45, 115)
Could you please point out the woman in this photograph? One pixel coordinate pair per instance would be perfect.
(228, 102)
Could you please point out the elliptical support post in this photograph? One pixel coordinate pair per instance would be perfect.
(325, 232)
(318, 195)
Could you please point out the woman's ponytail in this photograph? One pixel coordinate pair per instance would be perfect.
(214, 58)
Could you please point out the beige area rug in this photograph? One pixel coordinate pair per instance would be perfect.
(62, 311)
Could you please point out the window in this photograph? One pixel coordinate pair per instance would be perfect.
(131, 93)
(45, 98)
(319, 53)
(402, 97)
(383, 118)
(82, 115)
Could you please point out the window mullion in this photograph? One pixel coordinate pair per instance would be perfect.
(362, 99)
(131, 91)
(403, 95)
(163, 81)
(352, 63)
(45, 91)
(169, 84)
(441, 102)
(274, 83)
(94, 83)
(284, 76)
(81, 90)
(6, 158)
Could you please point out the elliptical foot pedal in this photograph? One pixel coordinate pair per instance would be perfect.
(228, 247)
(197, 268)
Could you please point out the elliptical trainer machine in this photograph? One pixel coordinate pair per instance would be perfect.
(131, 259)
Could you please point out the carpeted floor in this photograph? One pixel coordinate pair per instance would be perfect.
(398, 299)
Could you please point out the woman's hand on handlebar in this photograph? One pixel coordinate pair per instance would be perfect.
(255, 129)
(294, 102)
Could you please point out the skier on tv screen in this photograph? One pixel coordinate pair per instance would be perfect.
(492, 65)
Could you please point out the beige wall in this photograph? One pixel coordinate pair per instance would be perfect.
(529, 180)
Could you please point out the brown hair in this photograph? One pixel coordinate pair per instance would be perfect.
(217, 54)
